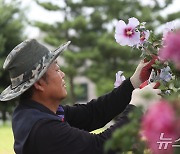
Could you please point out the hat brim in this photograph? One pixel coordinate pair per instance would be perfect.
(11, 93)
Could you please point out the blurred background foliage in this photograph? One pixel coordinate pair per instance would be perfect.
(89, 25)
(12, 23)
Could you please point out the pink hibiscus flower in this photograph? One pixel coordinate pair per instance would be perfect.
(171, 49)
(159, 122)
(127, 34)
(144, 36)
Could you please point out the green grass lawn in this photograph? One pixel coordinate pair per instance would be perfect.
(6, 139)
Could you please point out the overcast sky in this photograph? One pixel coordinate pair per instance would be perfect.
(35, 12)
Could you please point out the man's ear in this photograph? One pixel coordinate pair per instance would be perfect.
(39, 85)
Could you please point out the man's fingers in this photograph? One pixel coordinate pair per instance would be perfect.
(146, 69)
(151, 88)
(151, 62)
(154, 85)
(157, 91)
(143, 64)
(151, 85)
(157, 85)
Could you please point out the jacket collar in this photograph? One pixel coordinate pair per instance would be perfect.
(36, 105)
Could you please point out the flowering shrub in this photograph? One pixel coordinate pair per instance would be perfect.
(171, 49)
(159, 129)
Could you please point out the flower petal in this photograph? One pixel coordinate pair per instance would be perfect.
(121, 39)
(147, 34)
(133, 22)
(120, 26)
(135, 39)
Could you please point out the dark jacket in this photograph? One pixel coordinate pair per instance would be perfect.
(37, 130)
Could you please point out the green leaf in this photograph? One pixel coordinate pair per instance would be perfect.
(48, 5)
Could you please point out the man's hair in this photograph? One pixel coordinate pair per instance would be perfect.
(29, 93)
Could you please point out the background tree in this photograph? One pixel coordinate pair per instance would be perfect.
(11, 28)
(89, 25)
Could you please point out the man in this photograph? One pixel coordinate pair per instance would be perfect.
(40, 125)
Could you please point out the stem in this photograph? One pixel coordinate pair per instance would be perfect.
(147, 51)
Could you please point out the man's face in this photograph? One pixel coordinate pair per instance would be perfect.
(55, 88)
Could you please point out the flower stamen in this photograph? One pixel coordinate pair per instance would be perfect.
(129, 32)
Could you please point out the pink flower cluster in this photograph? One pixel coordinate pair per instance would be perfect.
(171, 49)
(159, 119)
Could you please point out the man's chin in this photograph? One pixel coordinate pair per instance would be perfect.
(64, 96)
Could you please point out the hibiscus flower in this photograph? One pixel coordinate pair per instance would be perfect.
(127, 34)
(171, 49)
(160, 120)
(144, 36)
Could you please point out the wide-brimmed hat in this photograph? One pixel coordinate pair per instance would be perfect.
(26, 64)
